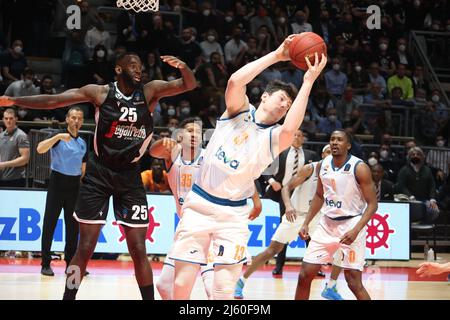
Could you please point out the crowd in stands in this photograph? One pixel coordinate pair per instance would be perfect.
(370, 82)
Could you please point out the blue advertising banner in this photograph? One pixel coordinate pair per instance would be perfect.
(21, 218)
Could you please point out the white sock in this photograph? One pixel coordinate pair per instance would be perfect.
(243, 279)
(331, 283)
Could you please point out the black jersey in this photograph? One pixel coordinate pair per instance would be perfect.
(124, 128)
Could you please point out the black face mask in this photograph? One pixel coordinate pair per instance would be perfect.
(415, 160)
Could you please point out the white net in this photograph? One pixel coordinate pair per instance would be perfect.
(139, 5)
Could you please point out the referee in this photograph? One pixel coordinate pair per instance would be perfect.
(68, 164)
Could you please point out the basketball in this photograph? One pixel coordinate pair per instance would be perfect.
(306, 44)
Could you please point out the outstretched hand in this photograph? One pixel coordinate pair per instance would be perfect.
(282, 52)
(6, 101)
(174, 62)
(315, 70)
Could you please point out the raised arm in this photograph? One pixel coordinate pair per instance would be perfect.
(235, 97)
(296, 113)
(91, 93)
(304, 173)
(364, 178)
(156, 89)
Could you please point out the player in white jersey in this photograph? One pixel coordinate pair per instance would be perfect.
(243, 145)
(183, 158)
(304, 186)
(347, 194)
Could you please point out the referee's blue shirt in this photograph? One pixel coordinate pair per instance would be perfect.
(67, 157)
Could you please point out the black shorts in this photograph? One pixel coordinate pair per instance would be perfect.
(99, 184)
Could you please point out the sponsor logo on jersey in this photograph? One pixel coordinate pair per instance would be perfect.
(126, 131)
(221, 155)
(238, 140)
(333, 204)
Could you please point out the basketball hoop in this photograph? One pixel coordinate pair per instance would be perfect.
(139, 5)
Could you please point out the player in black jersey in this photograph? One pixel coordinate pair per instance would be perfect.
(124, 127)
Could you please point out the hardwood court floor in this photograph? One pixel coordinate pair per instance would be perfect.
(114, 280)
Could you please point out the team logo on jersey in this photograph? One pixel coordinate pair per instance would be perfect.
(124, 131)
(238, 140)
(221, 155)
(347, 168)
(200, 160)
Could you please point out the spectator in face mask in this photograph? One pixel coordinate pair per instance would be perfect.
(439, 157)
(330, 123)
(15, 63)
(402, 56)
(416, 180)
(372, 159)
(210, 119)
(47, 87)
(293, 75)
(384, 58)
(384, 188)
(210, 45)
(336, 80)
(97, 35)
(301, 25)
(441, 108)
(390, 163)
(262, 19)
(185, 110)
(24, 87)
(99, 69)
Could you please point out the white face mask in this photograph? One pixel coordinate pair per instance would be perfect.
(206, 12)
(336, 67)
(435, 98)
(211, 38)
(282, 20)
(358, 68)
(171, 112)
(28, 82)
(100, 53)
(170, 78)
(384, 154)
(440, 143)
(417, 3)
(185, 110)
(262, 36)
(18, 49)
(402, 47)
(22, 113)
(383, 46)
(177, 8)
(372, 161)
(228, 18)
(332, 118)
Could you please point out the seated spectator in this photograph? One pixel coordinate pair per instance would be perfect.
(420, 98)
(261, 19)
(356, 148)
(389, 161)
(293, 75)
(172, 123)
(419, 81)
(210, 45)
(97, 35)
(14, 152)
(349, 32)
(346, 105)
(443, 196)
(47, 87)
(384, 188)
(234, 47)
(152, 66)
(133, 31)
(282, 27)
(213, 74)
(359, 81)
(441, 108)
(24, 87)
(336, 80)
(14, 63)
(355, 122)
(416, 180)
(401, 80)
(100, 71)
(320, 102)
(429, 123)
(265, 40)
(401, 55)
(373, 158)
(384, 58)
(397, 98)
(269, 74)
(438, 158)
(209, 119)
(325, 27)
(253, 51)
(190, 51)
(330, 123)
(301, 23)
(375, 96)
(376, 78)
(309, 125)
(155, 179)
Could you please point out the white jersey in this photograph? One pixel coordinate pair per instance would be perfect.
(181, 177)
(239, 151)
(302, 196)
(341, 192)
